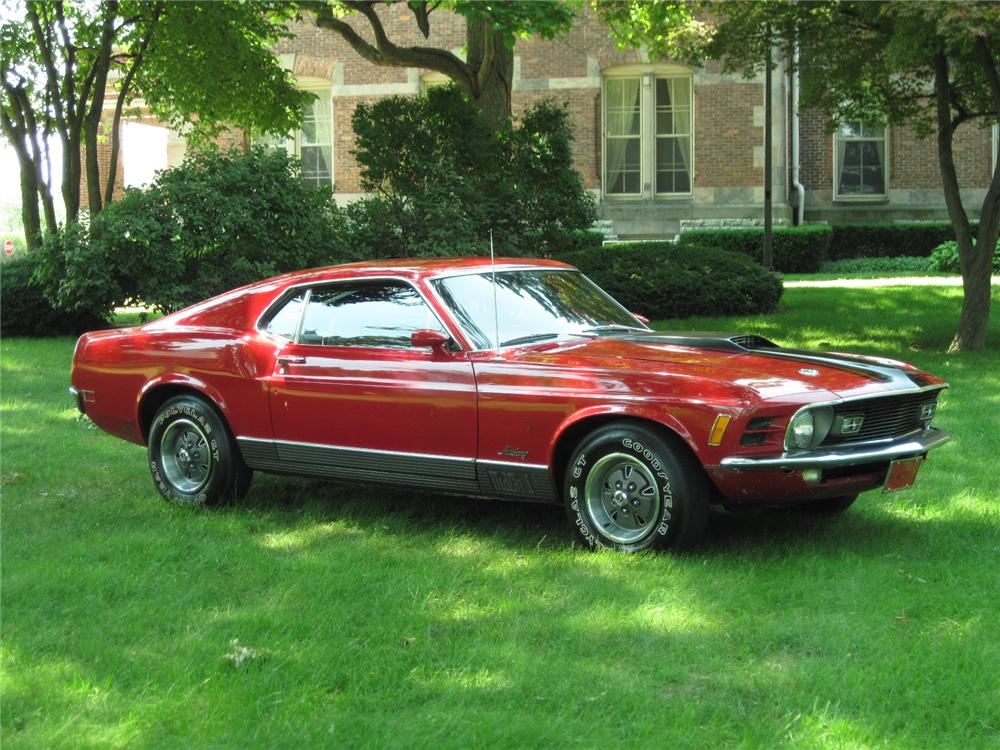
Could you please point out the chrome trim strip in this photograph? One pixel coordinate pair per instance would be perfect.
(366, 451)
(932, 438)
(310, 285)
(465, 476)
(511, 465)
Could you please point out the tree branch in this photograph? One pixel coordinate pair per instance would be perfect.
(420, 12)
(385, 52)
(52, 75)
(123, 94)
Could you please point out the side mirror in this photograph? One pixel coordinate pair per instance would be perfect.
(427, 337)
(641, 318)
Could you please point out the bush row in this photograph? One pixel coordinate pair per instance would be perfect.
(944, 259)
(796, 249)
(888, 240)
(804, 249)
(667, 280)
(26, 311)
(902, 264)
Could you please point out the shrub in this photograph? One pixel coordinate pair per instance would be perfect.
(902, 264)
(220, 220)
(26, 311)
(944, 259)
(664, 280)
(796, 249)
(441, 180)
(887, 240)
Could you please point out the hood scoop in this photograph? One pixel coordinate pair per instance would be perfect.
(727, 342)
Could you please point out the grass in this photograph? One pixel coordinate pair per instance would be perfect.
(373, 618)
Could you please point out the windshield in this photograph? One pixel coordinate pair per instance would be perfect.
(534, 305)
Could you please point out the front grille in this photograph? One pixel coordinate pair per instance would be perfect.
(884, 416)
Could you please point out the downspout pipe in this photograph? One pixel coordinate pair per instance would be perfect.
(800, 190)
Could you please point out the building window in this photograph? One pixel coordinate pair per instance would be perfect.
(859, 160)
(313, 142)
(647, 135)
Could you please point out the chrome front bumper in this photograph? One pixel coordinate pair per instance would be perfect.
(77, 398)
(906, 447)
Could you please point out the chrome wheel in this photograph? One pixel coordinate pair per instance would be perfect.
(622, 498)
(185, 456)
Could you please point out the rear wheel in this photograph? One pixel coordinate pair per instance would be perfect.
(192, 457)
(630, 488)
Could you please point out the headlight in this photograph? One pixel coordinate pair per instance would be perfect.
(801, 429)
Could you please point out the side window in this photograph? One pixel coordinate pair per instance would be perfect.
(374, 314)
(285, 319)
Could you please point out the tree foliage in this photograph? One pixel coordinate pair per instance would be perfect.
(218, 221)
(198, 65)
(492, 29)
(441, 179)
(931, 65)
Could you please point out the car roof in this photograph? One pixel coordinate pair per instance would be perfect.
(411, 268)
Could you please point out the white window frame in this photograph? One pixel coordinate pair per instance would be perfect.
(322, 91)
(292, 143)
(647, 76)
(839, 136)
(996, 145)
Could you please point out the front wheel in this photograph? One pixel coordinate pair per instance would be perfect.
(193, 459)
(629, 488)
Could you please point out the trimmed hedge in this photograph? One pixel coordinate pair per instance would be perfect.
(796, 249)
(902, 264)
(665, 280)
(888, 240)
(26, 312)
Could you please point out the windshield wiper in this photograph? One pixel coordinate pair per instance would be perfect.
(530, 338)
(612, 327)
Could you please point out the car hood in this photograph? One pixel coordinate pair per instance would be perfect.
(750, 362)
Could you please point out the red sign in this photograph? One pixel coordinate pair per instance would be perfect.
(8, 247)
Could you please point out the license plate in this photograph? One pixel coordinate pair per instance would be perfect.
(902, 474)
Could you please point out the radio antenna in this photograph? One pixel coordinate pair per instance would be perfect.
(496, 307)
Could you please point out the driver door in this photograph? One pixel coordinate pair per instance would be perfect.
(351, 395)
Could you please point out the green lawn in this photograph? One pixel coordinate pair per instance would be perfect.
(398, 619)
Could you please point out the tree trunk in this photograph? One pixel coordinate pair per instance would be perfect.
(493, 65)
(975, 259)
(71, 177)
(29, 199)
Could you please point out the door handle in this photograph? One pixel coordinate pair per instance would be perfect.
(284, 360)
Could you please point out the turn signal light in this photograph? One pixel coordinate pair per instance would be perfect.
(718, 429)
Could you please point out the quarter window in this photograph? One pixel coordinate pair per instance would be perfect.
(285, 320)
(860, 160)
(372, 315)
(647, 135)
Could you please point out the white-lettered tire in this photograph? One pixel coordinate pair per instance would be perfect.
(192, 457)
(630, 488)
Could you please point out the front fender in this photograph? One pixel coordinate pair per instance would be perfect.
(658, 414)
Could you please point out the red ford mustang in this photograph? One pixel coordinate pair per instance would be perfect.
(525, 381)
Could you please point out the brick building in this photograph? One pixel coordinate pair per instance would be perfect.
(659, 144)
